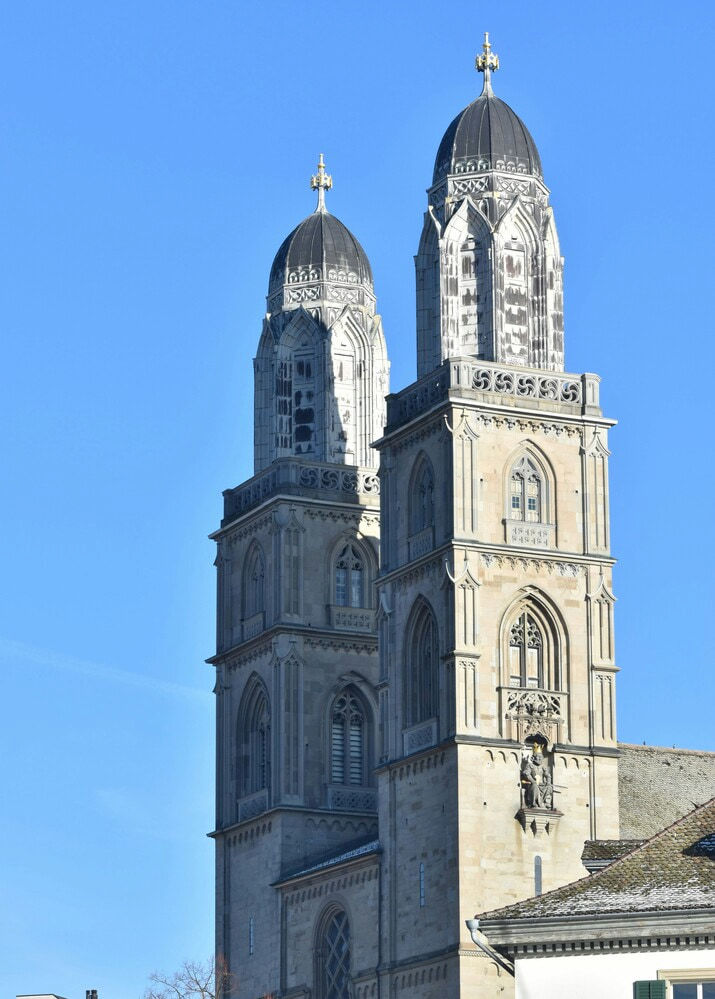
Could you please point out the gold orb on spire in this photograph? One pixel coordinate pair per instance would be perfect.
(321, 182)
(487, 62)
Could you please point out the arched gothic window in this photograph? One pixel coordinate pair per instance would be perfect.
(348, 740)
(350, 578)
(422, 674)
(254, 583)
(526, 501)
(526, 652)
(254, 741)
(334, 957)
(422, 499)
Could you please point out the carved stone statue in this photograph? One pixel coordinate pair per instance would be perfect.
(536, 782)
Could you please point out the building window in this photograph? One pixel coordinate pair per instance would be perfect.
(680, 983)
(526, 492)
(422, 885)
(423, 498)
(526, 653)
(537, 876)
(348, 763)
(253, 583)
(422, 674)
(350, 578)
(251, 937)
(255, 741)
(334, 958)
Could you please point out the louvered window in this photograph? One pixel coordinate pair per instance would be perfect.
(348, 763)
(649, 990)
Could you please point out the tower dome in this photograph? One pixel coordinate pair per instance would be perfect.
(486, 135)
(323, 247)
(489, 267)
(320, 260)
(321, 371)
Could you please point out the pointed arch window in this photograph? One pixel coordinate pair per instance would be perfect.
(422, 674)
(350, 578)
(348, 740)
(423, 498)
(526, 652)
(254, 583)
(334, 957)
(526, 500)
(255, 742)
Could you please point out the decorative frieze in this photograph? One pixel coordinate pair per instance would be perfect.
(525, 385)
(292, 477)
(530, 535)
(419, 737)
(342, 645)
(533, 713)
(523, 564)
(252, 805)
(417, 572)
(352, 618)
(258, 652)
(352, 799)
(253, 626)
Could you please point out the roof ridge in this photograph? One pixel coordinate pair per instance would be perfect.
(667, 749)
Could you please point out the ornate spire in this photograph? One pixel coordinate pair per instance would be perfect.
(487, 63)
(321, 183)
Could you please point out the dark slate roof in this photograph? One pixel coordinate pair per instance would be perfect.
(321, 242)
(332, 860)
(657, 785)
(675, 870)
(486, 135)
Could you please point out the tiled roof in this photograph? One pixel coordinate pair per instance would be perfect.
(675, 870)
(656, 786)
(608, 849)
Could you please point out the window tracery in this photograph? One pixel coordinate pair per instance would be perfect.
(334, 957)
(526, 492)
(350, 578)
(254, 742)
(422, 673)
(348, 740)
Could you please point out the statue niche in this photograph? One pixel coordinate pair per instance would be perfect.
(536, 785)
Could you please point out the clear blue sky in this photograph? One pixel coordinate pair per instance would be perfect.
(155, 154)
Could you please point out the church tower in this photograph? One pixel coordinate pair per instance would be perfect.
(498, 744)
(296, 658)
(410, 735)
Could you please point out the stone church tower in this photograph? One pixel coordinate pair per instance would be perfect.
(401, 747)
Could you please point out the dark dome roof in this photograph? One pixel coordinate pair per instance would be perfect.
(322, 241)
(486, 135)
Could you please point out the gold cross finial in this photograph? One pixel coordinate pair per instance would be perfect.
(487, 62)
(321, 182)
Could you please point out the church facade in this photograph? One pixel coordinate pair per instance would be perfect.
(415, 656)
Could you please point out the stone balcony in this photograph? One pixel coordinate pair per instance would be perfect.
(308, 480)
(501, 385)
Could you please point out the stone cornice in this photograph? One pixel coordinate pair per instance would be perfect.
(255, 648)
(599, 932)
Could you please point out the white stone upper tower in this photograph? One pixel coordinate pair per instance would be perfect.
(321, 370)
(489, 268)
